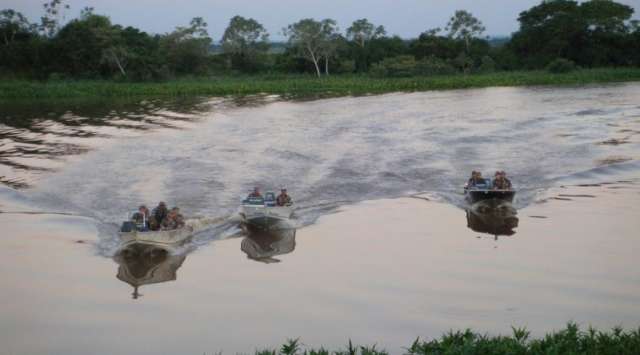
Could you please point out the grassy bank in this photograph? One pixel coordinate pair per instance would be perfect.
(302, 85)
(570, 340)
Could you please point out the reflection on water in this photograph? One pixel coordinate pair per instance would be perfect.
(144, 265)
(264, 245)
(36, 135)
(497, 219)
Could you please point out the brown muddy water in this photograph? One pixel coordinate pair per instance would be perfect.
(384, 247)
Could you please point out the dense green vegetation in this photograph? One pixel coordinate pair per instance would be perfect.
(561, 35)
(570, 340)
(305, 85)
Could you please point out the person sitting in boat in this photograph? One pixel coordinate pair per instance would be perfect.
(255, 193)
(475, 180)
(500, 182)
(283, 199)
(141, 218)
(174, 220)
(178, 218)
(159, 214)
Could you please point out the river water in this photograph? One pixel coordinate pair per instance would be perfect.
(384, 249)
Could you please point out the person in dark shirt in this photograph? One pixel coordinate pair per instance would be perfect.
(476, 179)
(158, 216)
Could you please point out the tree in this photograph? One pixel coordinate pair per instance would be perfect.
(311, 39)
(330, 43)
(54, 15)
(361, 33)
(19, 45)
(187, 48)
(431, 43)
(592, 33)
(242, 39)
(385, 47)
(87, 45)
(12, 23)
(143, 57)
(606, 16)
(464, 26)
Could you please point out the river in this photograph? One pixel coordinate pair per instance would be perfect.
(384, 248)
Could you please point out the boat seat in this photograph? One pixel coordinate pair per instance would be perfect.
(128, 227)
(270, 199)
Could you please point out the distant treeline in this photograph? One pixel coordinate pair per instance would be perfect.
(556, 34)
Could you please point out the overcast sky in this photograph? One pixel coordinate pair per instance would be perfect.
(406, 18)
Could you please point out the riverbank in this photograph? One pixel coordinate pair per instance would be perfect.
(571, 340)
(305, 85)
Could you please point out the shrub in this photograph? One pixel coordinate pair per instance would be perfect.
(400, 66)
(434, 66)
(347, 66)
(463, 62)
(561, 65)
(487, 65)
(56, 77)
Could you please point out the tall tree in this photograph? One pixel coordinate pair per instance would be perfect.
(431, 43)
(11, 24)
(464, 26)
(606, 16)
(331, 41)
(243, 38)
(310, 38)
(54, 15)
(87, 44)
(187, 48)
(591, 33)
(362, 31)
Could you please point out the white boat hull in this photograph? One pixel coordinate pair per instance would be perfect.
(265, 216)
(162, 238)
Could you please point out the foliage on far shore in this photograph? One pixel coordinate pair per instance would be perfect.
(89, 46)
(304, 85)
(568, 341)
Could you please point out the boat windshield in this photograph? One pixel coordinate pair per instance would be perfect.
(270, 199)
(482, 186)
(253, 201)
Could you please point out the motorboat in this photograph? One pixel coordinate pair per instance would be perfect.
(141, 264)
(134, 233)
(263, 211)
(484, 192)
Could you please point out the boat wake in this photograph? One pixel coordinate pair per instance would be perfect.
(204, 157)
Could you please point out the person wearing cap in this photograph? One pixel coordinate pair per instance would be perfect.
(158, 216)
(476, 179)
(500, 182)
(255, 193)
(141, 218)
(283, 199)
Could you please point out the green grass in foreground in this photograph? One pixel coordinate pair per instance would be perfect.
(564, 342)
(304, 85)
